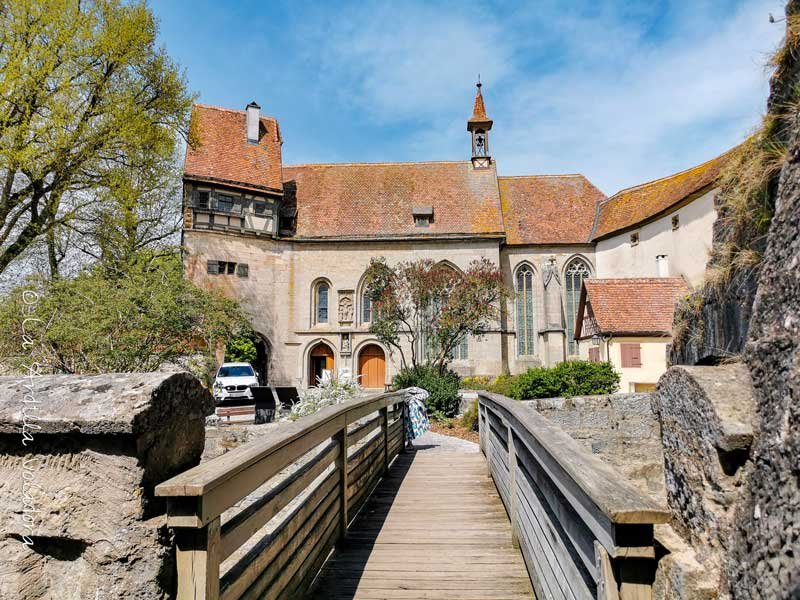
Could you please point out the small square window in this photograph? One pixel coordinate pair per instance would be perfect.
(225, 203)
(676, 222)
(202, 200)
(231, 268)
(243, 270)
(420, 221)
(259, 208)
(212, 267)
(634, 239)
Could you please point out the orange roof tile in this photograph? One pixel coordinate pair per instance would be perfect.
(548, 209)
(376, 199)
(637, 204)
(479, 109)
(224, 155)
(631, 306)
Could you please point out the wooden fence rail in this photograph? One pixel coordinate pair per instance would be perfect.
(280, 538)
(584, 531)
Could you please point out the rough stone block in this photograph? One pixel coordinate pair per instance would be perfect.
(79, 458)
(707, 426)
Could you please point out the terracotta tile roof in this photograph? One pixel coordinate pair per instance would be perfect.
(632, 206)
(548, 209)
(224, 154)
(632, 306)
(376, 199)
(479, 110)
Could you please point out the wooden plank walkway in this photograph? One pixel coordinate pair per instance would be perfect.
(434, 529)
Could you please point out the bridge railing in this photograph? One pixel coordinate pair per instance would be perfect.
(584, 531)
(277, 540)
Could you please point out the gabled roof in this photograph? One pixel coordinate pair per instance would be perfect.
(548, 209)
(223, 154)
(631, 306)
(633, 206)
(376, 199)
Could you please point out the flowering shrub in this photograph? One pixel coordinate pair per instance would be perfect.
(328, 393)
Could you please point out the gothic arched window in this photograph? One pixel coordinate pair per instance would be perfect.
(577, 270)
(525, 317)
(321, 294)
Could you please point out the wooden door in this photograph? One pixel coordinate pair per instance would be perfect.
(372, 367)
(321, 360)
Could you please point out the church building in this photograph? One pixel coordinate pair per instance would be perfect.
(292, 242)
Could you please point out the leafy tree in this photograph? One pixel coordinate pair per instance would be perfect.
(90, 110)
(426, 303)
(103, 321)
(241, 349)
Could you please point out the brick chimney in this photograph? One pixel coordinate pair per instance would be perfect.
(253, 111)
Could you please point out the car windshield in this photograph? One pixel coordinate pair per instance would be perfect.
(235, 371)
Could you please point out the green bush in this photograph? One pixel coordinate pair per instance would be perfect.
(470, 418)
(443, 389)
(567, 379)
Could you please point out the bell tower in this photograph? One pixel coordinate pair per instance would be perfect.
(479, 125)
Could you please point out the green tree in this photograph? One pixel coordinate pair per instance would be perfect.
(241, 349)
(90, 107)
(102, 321)
(432, 307)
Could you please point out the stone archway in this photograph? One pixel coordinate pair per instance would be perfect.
(320, 364)
(372, 367)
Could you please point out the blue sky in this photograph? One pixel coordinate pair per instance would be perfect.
(622, 92)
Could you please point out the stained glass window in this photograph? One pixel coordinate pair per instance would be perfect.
(366, 309)
(577, 271)
(525, 316)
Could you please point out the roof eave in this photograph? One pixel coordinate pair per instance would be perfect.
(231, 183)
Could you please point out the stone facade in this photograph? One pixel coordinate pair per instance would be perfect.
(80, 521)
(278, 294)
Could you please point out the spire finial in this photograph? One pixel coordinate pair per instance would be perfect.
(479, 84)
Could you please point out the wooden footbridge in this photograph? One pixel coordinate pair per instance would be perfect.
(331, 507)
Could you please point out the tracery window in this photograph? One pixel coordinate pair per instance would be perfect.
(577, 270)
(525, 314)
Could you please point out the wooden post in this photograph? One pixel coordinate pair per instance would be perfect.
(197, 561)
(607, 585)
(385, 426)
(341, 464)
(512, 486)
(403, 427)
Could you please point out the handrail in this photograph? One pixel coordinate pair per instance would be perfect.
(578, 521)
(338, 457)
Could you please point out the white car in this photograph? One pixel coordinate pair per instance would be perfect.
(233, 381)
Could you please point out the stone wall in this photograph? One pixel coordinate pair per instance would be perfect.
(708, 426)
(79, 458)
(620, 428)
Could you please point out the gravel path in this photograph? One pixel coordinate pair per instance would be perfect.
(436, 442)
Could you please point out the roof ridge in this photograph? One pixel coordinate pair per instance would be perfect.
(359, 164)
(666, 177)
(230, 110)
(629, 279)
(543, 175)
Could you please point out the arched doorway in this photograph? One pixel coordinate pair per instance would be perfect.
(372, 367)
(320, 364)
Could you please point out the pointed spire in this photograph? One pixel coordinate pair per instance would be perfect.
(479, 116)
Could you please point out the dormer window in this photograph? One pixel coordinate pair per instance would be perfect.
(423, 216)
